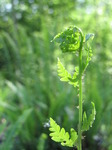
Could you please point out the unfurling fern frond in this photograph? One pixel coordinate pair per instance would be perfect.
(60, 135)
(66, 76)
(69, 39)
(87, 123)
(73, 40)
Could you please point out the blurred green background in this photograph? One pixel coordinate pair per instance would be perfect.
(30, 89)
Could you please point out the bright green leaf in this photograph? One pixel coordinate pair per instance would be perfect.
(66, 76)
(74, 135)
(61, 135)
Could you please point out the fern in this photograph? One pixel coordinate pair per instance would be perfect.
(60, 135)
(66, 76)
(69, 39)
(72, 40)
(87, 123)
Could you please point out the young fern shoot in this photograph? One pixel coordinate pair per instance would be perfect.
(73, 40)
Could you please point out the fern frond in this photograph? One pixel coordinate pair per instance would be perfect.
(87, 123)
(69, 39)
(88, 57)
(66, 76)
(60, 135)
(88, 50)
(62, 72)
(74, 80)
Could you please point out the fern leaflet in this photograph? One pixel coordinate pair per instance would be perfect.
(88, 57)
(88, 50)
(87, 123)
(60, 135)
(66, 76)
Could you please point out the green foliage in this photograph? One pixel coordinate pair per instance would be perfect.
(62, 72)
(60, 135)
(41, 141)
(28, 76)
(88, 49)
(110, 147)
(87, 123)
(69, 39)
(66, 76)
(14, 129)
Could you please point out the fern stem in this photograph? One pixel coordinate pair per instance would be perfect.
(80, 94)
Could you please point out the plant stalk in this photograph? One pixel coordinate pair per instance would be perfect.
(80, 95)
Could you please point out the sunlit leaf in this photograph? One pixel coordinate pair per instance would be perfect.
(66, 76)
(62, 72)
(60, 135)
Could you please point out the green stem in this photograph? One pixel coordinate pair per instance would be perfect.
(80, 94)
